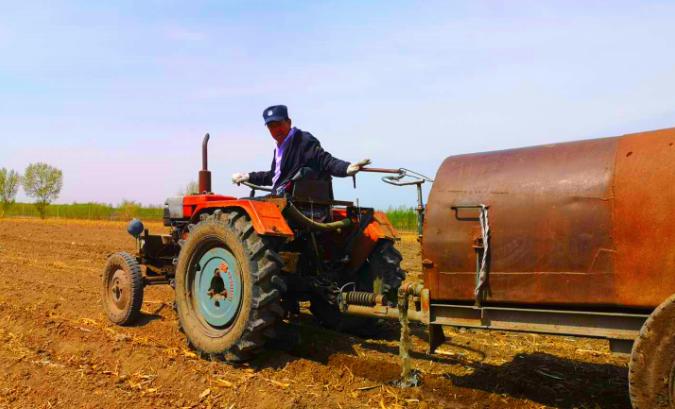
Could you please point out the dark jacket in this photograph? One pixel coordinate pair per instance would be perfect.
(304, 151)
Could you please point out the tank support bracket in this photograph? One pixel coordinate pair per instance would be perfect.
(436, 337)
(482, 247)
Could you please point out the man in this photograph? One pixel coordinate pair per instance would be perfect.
(295, 149)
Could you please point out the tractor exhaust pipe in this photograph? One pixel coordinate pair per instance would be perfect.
(205, 174)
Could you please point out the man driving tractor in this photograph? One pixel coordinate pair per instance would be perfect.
(239, 266)
(295, 149)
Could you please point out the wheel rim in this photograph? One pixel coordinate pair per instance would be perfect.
(119, 289)
(216, 287)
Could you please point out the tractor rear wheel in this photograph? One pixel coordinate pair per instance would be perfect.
(381, 274)
(122, 293)
(651, 372)
(384, 270)
(228, 287)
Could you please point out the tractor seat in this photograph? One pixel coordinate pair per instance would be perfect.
(310, 187)
(319, 191)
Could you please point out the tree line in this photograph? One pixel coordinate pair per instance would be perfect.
(40, 181)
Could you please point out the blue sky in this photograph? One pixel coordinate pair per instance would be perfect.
(119, 94)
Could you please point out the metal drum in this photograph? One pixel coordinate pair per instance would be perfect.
(585, 223)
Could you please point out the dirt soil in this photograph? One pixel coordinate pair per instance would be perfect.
(58, 350)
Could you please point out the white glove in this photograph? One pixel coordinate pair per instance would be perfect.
(239, 177)
(355, 167)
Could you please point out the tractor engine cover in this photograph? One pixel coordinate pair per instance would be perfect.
(173, 208)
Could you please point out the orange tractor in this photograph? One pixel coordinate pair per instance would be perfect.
(239, 265)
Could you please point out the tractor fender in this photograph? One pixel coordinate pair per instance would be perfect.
(378, 229)
(381, 227)
(265, 216)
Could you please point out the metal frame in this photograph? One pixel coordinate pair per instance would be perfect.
(609, 325)
(619, 328)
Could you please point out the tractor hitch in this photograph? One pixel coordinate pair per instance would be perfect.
(367, 304)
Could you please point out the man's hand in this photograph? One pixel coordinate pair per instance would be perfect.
(239, 178)
(355, 167)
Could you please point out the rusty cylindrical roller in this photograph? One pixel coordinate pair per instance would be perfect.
(585, 224)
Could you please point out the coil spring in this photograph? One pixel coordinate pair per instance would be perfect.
(360, 298)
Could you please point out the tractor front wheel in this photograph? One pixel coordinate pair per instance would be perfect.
(122, 293)
(227, 287)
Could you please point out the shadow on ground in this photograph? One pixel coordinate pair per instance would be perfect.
(145, 318)
(539, 377)
(552, 381)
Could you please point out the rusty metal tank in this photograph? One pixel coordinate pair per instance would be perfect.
(587, 224)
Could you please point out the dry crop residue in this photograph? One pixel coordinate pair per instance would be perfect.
(57, 348)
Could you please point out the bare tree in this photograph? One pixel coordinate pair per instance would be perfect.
(192, 188)
(9, 186)
(43, 183)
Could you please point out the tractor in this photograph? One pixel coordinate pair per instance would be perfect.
(240, 265)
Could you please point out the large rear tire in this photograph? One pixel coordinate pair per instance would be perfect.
(381, 274)
(651, 373)
(384, 270)
(122, 292)
(228, 287)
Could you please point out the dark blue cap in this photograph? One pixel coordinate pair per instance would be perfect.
(275, 113)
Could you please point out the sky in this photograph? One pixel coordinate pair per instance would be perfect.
(118, 94)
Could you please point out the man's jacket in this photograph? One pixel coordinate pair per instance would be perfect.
(304, 151)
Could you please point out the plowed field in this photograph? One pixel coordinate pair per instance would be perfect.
(57, 348)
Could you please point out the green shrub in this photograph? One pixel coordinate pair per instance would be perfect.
(403, 218)
(94, 211)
